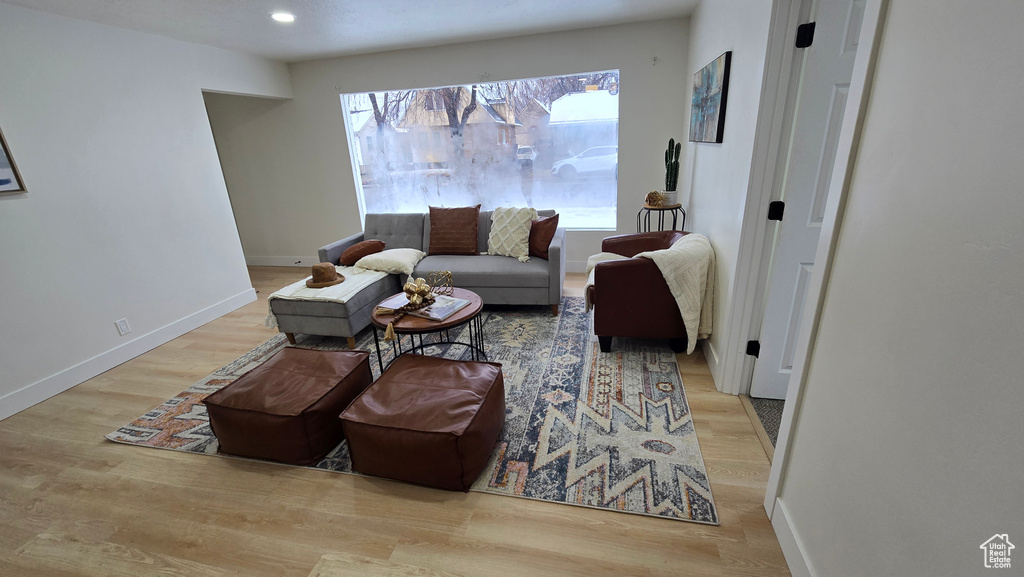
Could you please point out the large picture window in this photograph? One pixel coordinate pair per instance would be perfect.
(541, 142)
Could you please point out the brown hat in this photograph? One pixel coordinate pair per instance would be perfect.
(324, 275)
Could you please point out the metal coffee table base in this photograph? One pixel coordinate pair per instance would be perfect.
(444, 338)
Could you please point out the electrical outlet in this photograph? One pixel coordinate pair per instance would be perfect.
(122, 327)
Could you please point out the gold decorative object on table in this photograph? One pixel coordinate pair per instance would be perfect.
(441, 282)
(420, 294)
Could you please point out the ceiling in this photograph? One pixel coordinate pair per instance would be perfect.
(324, 28)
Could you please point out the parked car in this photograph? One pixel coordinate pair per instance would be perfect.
(592, 161)
(526, 153)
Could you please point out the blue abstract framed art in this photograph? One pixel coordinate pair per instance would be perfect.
(707, 108)
(10, 179)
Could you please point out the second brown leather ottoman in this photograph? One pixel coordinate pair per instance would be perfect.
(287, 408)
(428, 420)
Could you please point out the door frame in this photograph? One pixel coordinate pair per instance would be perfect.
(781, 188)
(846, 156)
(755, 244)
(755, 241)
(756, 236)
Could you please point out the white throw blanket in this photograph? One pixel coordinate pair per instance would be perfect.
(355, 281)
(591, 263)
(689, 270)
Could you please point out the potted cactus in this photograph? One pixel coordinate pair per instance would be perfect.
(671, 170)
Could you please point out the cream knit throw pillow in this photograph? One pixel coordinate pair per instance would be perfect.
(510, 232)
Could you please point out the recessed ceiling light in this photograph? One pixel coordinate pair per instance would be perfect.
(283, 17)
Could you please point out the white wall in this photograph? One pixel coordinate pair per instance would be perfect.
(909, 443)
(287, 165)
(716, 176)
(127, 215)
(252, 160)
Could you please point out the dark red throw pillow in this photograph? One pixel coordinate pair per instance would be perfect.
(542, 231)
(453, 230)
(360, 249)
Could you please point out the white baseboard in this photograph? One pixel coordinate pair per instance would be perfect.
(792, 547)
(45, 388)
(713, 363)
(579, 266)
(298, 261)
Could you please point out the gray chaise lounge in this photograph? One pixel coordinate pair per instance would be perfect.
(497, 279)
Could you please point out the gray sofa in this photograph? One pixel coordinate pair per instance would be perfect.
(497, 279)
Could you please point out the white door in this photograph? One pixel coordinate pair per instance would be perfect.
(823, 83)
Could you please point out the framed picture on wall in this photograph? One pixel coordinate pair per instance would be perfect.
(707, 108)
(10, 179)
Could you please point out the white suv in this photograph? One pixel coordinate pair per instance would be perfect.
(526, 153)
(596, 160)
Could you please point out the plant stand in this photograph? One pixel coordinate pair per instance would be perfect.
(643, 217)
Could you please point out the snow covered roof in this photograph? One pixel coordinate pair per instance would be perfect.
(360, 118)
(595, 106)
(495, 116)
(485, 104)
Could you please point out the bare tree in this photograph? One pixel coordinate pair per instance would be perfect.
(387, 112)
(548, 90)
(457, 119)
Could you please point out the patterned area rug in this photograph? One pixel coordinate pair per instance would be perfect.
(605, 430)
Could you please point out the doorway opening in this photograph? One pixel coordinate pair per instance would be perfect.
(816, 95)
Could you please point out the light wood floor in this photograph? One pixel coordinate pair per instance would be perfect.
(72, 503)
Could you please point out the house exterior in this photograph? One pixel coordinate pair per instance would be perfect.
(533, 124)
(490, 129)
(378, 149)
(364, 128)
(533, 131)
(581, 120)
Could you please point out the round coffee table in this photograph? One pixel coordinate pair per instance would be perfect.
(414, 326)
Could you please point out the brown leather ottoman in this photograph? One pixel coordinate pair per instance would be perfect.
(287, 408)
(428, 420)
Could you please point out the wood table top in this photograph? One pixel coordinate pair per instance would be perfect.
(410, 324)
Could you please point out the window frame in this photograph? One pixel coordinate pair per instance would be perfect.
(432, 154)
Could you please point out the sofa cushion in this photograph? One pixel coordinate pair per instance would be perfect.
(483, 231)
(453, 230)
(359, 250)
(510, 232)
(399, 230)
(542, 231)
(487, 270)
(369, 296)
(393, 261)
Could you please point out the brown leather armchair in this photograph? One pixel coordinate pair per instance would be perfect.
(630, 296)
